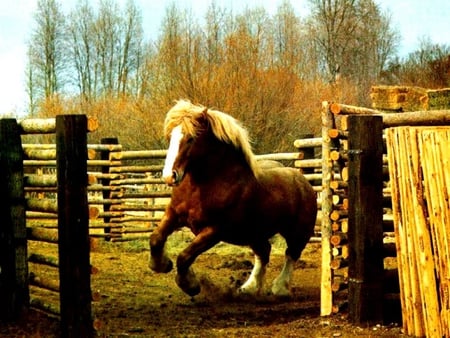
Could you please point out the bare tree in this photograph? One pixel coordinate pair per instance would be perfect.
(180, 58)
(428, 66)
(105, 48)
(129, 48)
(354, 39)
(80, 31)
(46, 50)
(31, 86)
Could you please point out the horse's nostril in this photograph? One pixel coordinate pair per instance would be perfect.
(175, 176)
(172, 179)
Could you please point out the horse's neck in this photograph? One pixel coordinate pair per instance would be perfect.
(224, 164)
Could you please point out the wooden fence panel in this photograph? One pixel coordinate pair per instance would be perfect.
(419, 166)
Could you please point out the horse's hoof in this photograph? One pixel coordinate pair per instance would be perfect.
(188, 283)
(249, 291)
(192, 291)
(161, 268)
(281, 291)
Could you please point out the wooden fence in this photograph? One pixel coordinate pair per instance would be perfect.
(72, 235)
(357, 235)
(420, 167)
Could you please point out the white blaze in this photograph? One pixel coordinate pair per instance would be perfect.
(172, 152)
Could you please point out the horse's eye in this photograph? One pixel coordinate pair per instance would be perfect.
(189, 140)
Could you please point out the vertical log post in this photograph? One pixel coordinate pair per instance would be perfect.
(326, 297)
(14, 293)
(365, 219)
(73, 226)
(104, 155)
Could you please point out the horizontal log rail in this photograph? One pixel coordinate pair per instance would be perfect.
(43, 259)
(42, 204)
(137, 169)
(45, 306)
(137, 207)
(147, 194)
(95, 201)
(279, 156)
(308, 143)
(41, 234)
(49, 146)
(126, 219)
(148, 180)
(339, 108)
(43, 282)
(40, 215)
(52, 163)
(44, 180)
(48, 125)
(108, 176)
(138, 154)
(308, 163)
(419, 118)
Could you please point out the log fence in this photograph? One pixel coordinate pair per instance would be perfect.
(72, 291)
(376, 213)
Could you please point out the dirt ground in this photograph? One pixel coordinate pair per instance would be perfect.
(136, 302)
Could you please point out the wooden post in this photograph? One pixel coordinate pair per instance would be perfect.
(326, 297)
(14, 293)
(365, 232)
(73, 226)
(104, 155)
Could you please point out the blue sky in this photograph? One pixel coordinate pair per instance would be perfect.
(415, 19)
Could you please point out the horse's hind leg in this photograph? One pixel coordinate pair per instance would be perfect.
(281, 285)
(254, 283)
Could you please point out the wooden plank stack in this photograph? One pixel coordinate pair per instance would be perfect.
(406, 98)
(419, 166)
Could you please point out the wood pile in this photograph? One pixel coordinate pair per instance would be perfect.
(336, 183)
(405, 98)
(334, 202)
(420, 168)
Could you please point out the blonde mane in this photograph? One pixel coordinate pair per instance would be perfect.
(225, 127)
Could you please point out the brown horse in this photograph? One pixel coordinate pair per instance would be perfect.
(222, 194)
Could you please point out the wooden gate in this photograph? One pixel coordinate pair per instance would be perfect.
(419, 166)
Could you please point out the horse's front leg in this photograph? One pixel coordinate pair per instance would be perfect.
(186, 278)
(159, 260)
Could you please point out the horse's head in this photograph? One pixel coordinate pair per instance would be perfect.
(196, 134)
(183, 148)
